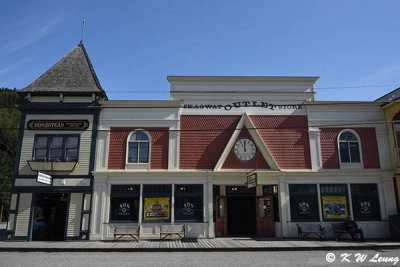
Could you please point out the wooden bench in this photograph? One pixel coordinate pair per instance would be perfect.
(304, 230)
(172, 229)
(121, 231)
(338, 230)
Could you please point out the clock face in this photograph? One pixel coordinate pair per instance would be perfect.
(245, 149)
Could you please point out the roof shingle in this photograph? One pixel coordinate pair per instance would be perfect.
(73, 74)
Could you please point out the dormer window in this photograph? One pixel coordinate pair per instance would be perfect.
(349, 149)
(138, 147)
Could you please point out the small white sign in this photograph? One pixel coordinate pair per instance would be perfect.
(251, 179)
(44, 178)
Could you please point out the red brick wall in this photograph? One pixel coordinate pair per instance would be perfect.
(330, 153)
(287, 139)
(159, 147)
(285, 136)
(232, 162)
(201, 149)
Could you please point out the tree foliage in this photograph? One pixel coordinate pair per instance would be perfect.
(9, 124)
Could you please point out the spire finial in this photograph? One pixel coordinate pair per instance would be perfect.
(83, 30)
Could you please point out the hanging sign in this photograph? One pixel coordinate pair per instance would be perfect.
(251, 179)
(69, 125)
(44, 178)
(156, 208)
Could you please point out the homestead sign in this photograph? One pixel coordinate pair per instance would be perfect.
(58, 125)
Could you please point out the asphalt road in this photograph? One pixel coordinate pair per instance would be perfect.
(157, 259)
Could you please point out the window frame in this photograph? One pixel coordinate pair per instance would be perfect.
(357, 194)
(334, 194)
(350, 165)
(134, 195)
(306, 195)
(146, 194)
(199, 195)
(138, 164)
(48, 147)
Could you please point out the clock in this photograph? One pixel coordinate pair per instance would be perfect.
(244, 149)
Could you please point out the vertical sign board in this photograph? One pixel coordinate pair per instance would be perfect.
(251, 179)
(44, 178)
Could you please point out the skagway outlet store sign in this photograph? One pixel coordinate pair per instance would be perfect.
(244, 104)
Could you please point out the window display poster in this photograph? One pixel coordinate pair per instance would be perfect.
(156, 208)
(334, 207)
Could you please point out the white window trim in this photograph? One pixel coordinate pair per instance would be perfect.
(344, 165)
(133, 165)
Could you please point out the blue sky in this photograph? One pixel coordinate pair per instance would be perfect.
(134, 45)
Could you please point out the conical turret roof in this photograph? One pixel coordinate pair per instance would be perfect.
(73, 75)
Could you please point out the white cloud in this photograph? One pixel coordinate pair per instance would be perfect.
(28, 39)
(388, 75)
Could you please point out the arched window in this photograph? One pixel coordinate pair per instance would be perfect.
(349, 147)
(138, 147)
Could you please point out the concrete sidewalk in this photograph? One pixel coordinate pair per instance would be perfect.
(217, 244)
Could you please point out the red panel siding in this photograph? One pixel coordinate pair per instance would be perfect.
(330, 153)
(329, 149)
(232, 162)
(287, 139)
(159, 147)
(199, 148)
(285, 136)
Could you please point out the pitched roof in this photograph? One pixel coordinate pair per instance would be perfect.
(73, 74)
(390, 97)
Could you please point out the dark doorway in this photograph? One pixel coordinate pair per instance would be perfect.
(241, 215)
(49, 217)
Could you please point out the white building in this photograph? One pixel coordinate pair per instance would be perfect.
(186, 160)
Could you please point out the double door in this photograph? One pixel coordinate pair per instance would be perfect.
(264, 216)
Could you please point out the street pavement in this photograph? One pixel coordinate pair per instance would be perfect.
(277, 258)
(214, 244)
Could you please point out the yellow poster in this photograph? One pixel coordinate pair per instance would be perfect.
(334, 207)
(156, 208)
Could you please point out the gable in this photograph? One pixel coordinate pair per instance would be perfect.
(232, 162)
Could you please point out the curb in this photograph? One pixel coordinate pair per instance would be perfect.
(227, 249)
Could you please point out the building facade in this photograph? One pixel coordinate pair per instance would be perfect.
(225, 156)
(51, 194)
(241, 155)
(391, 108)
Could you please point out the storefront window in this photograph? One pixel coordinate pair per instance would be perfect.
(272, 190)
(124, 203)
(365, 200)
(156, 203)
(189, 203)
(334, 201)
(303, 202)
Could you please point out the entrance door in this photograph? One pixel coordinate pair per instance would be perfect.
(265, 216)
(221, 228)
(241, 215)
(49, 217)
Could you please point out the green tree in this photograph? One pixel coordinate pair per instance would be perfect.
(9, 124)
